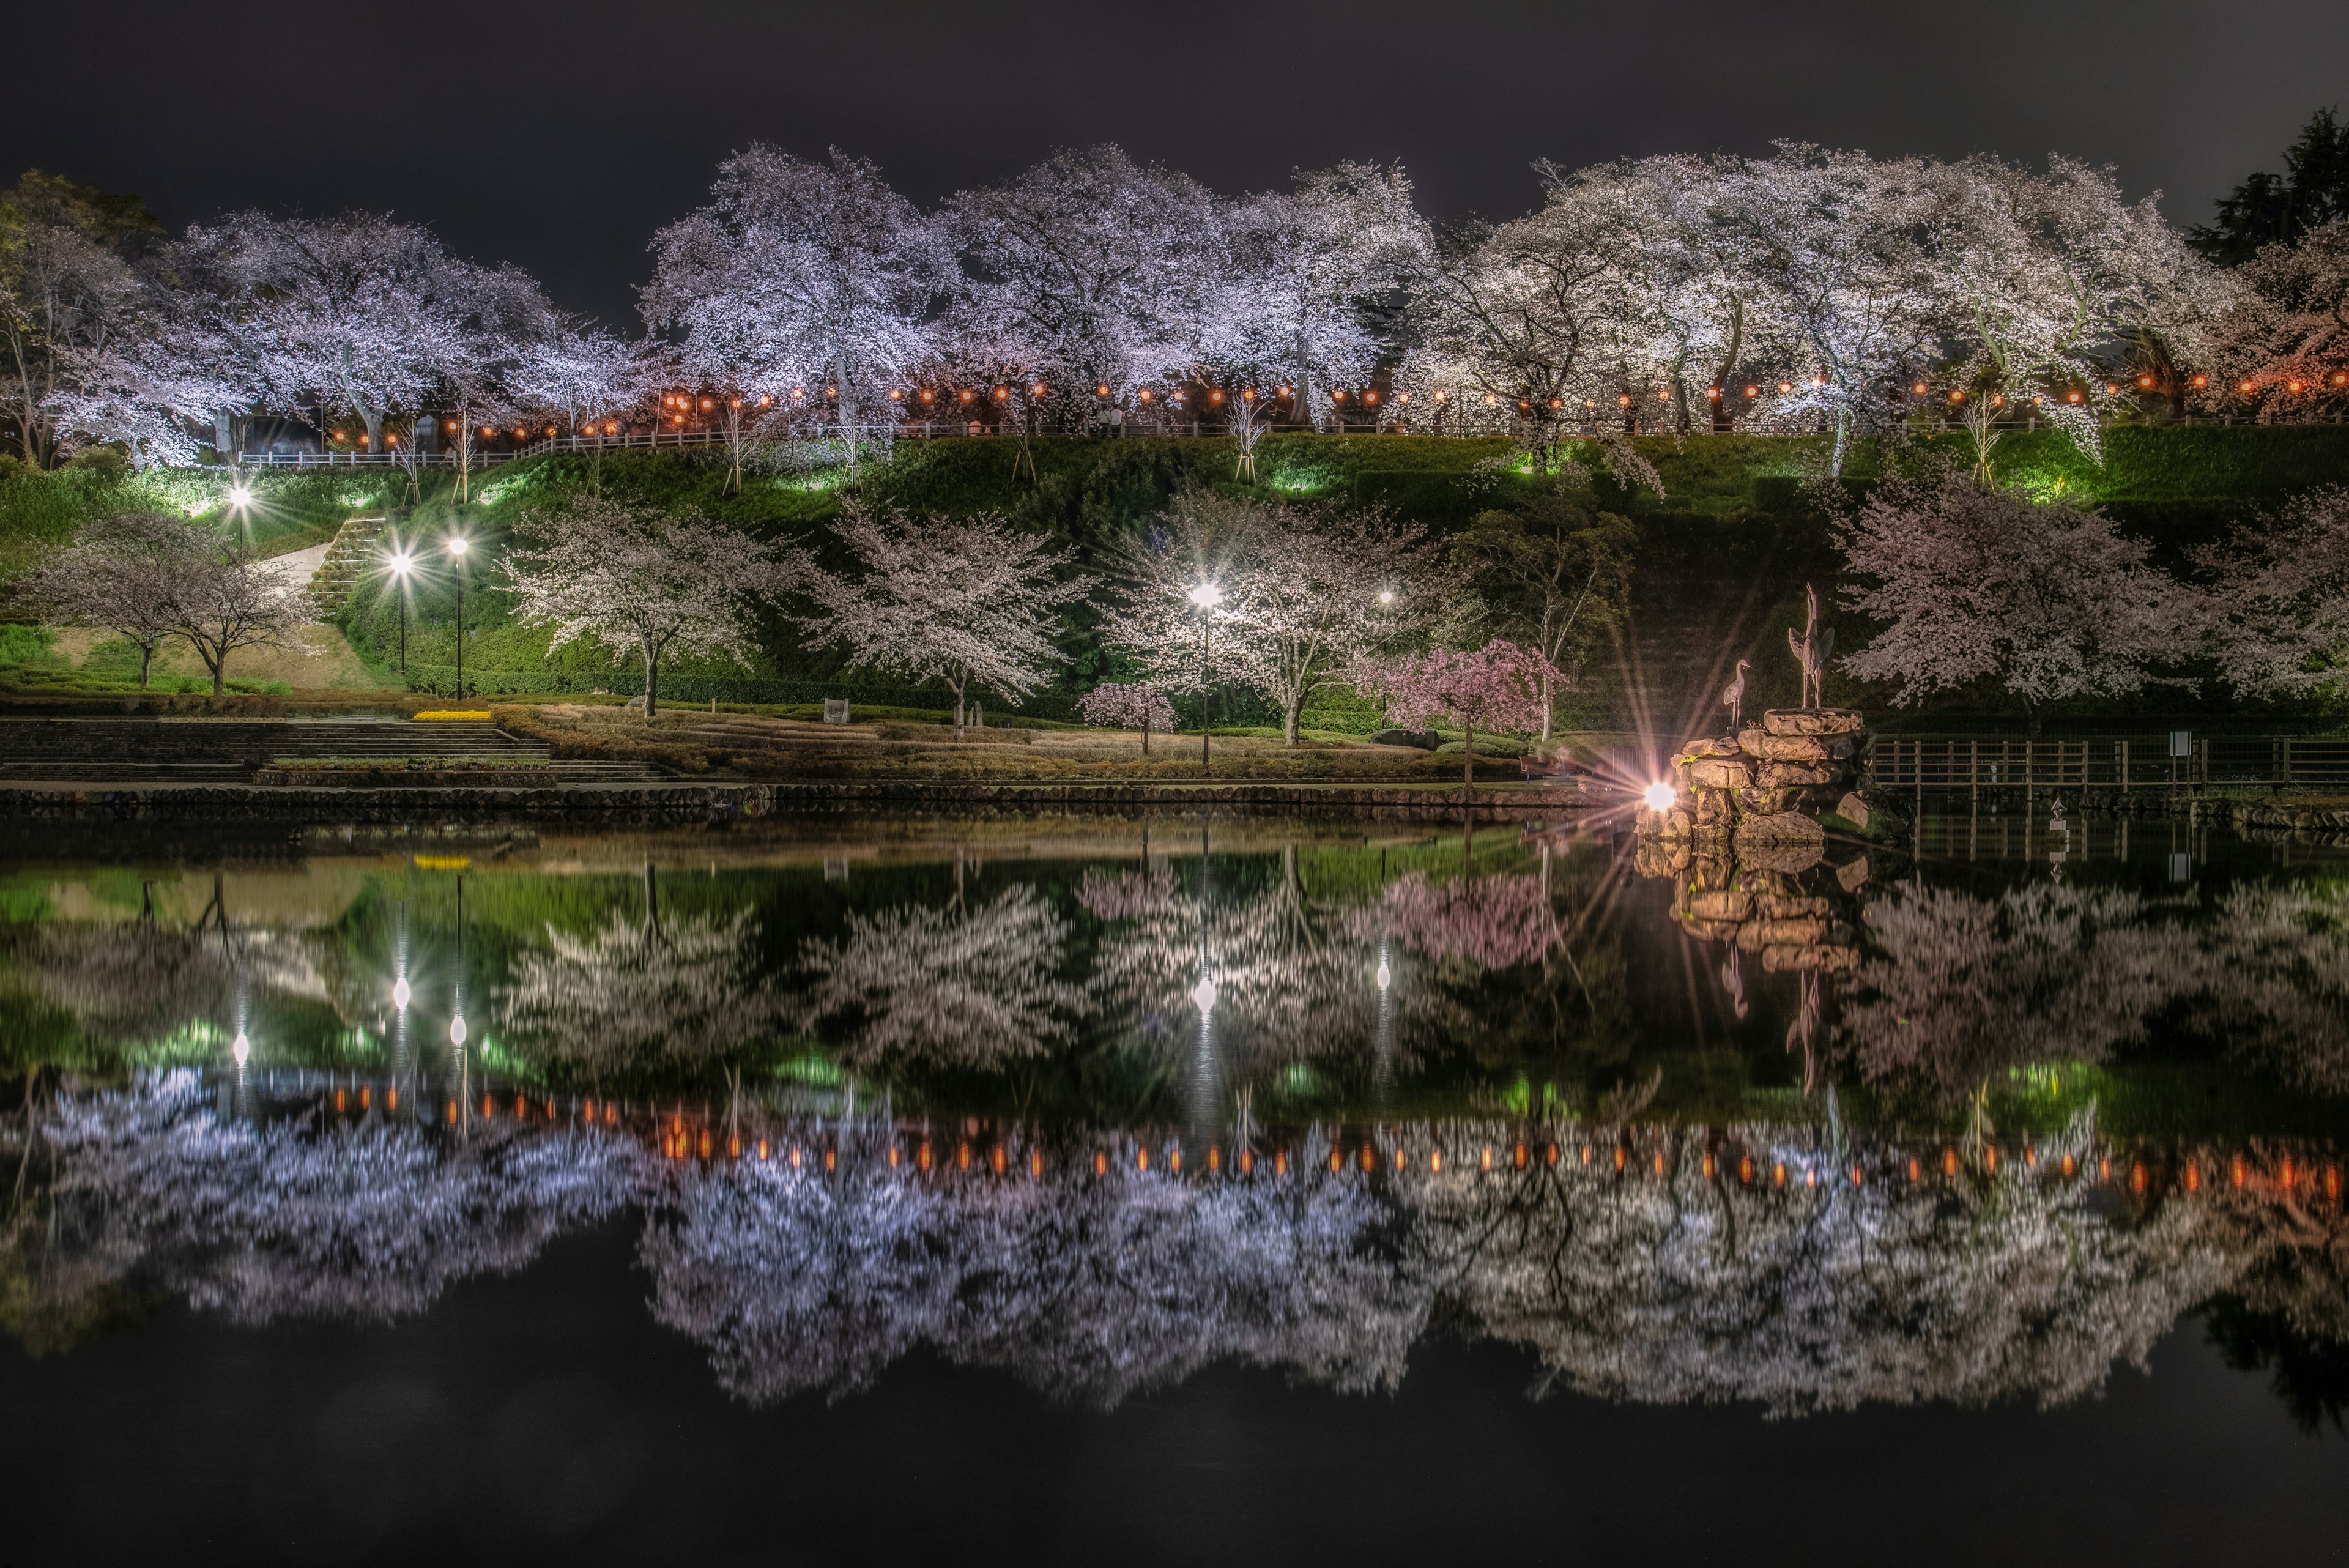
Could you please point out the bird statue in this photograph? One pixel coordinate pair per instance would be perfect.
(1811, 651)
(1733, 697)
(1732, 980)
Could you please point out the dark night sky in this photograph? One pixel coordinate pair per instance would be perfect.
(561, 137)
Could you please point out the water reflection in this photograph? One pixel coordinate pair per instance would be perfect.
(1800, 1268)
(1810, 1136)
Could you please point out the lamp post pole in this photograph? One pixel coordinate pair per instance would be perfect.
(1206, 595)
(457, 547)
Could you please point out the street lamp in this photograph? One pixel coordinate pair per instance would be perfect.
(1206, 595)
(457, 549)
(403, 562)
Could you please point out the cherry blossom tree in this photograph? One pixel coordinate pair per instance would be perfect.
(2281, 340)
(591, 379)
(70, 290)
(1499, 686)
(1118, 706)
(2042, 274)
(955, 600)
(1553, 575)
(1303, 594)
(2279, 598)
(225, 599)
(125, 573)
(813, 277)
(1839, 241)
(1306, 278)
(643, 581)
(1087, 271)
(2049, 600)
(364, 311)
(1537, 317)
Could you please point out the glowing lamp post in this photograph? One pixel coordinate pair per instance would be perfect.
(1659, 797)
(457, 549)
(242, 1049)
(1206, 595)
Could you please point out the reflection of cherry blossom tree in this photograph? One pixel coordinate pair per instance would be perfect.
(1092, 1289)
(264, 1223)
(691, 990)
(1959, 988)
(963, 987)
(1492, 922)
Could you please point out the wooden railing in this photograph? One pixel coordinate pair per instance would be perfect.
(2125, 763)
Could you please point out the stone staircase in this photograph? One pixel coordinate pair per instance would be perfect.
(350, 560)
(145, 751)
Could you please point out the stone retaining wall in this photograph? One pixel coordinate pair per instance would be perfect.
(727, 802)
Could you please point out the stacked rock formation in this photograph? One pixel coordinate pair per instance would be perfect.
(1767, 783)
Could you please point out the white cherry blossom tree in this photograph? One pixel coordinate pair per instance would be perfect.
(964, 601)
(643, 581)
(1301, 594)
(813, 277)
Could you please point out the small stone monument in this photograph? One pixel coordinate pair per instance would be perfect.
(836, 710)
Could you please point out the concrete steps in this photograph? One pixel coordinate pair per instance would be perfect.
(350, 561)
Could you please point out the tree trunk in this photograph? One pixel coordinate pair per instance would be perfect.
(1545, 702)
(958, 686)
(1842, 440)
(1468, 760)
(1145, 729)
(1289, 712)
(146, 663)
(652, 678)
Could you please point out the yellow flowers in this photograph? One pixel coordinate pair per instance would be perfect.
(474, 715)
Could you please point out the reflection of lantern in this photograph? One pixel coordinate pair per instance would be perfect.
(1174, 1161)
(1035, 1162)
(1101, 1163)
(830, 1157)
(1706, 1168)
(1518, 1157)
(922, 1156)
(995, 1157)
(1280, 1162)
(1398, 1158)
(1435, 1161)
(1779, 1173)
(892, 1156)
(1142, 1160)
(2137, 1177)
(1746, 1168)
(392, 1098)
(1370, 1160)
(962, 1156)
(2237, 1171)
(1619, 1158)
(1335, 1162)
(1949, 1162)
(1215, 1159)
(1916, 1169)
(1247, 1161)
(1990, 1159)
(733, 1146)
(763, 1151)
(2070, 1165)
(705, 1143)
(338, 1102)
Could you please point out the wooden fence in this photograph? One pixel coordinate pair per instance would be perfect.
(2123, 763)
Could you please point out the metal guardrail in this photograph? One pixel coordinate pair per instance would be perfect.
(2124, 763)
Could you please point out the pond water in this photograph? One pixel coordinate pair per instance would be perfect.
(839, 1191)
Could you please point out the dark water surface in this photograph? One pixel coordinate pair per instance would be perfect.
(1053, 1190)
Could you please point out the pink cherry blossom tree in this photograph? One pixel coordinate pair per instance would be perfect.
(1498, 686)
(1118, 706)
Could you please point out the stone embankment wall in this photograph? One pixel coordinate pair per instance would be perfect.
(727, 802)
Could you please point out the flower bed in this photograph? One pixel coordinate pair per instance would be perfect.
(452, 715)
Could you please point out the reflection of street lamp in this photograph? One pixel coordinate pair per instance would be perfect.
(1206, 595)
(457, 549)
(242, 1049)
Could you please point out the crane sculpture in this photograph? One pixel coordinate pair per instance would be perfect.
(1733, 697)
(1811, 651)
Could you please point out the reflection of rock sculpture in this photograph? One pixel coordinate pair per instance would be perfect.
(956, 987)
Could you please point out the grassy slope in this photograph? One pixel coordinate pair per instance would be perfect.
(1725, 551)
